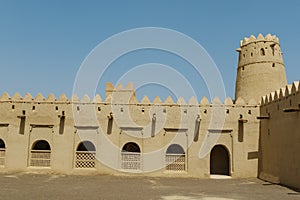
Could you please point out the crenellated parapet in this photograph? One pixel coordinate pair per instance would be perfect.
(136, 127)
(259, 38)
(260, 67)
(279, 135)
(97, 99)
(260, 49)
(281, 94)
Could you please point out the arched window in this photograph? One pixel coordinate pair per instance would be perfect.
(131, 156)
(219, 161)
(175, 149)
(86, 146)
(85, 155)
(2, 152)
(131, 147)
(262, 52)
(40, 155)
(41, 145)
(2, 144)
(175, 158)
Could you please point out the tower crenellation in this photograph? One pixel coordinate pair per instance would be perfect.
(260, 67)
(129, 135)
(261, 49)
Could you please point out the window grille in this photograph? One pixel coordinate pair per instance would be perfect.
(131, 161)
(175, 162)
(40, 158)
(2, 156)
(85, 159)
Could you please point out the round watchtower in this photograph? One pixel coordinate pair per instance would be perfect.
(260, 67)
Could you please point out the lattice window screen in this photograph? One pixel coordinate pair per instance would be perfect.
(40, 158)
(175, 162)
(131, 161)
(85, 159)
(2, 157)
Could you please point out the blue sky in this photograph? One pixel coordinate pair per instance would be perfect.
(43, 43)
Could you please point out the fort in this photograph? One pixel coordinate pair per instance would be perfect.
(121, 135)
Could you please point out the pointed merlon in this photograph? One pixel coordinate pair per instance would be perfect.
(269, 37)
(74, 98)
(169, 100)
(204, 101)
(145, 100)
(288, 90)
(271, 96)
(157, 100)
(228, 101)
(181, 101)
(240, 101)
(39, 97)
(97, 99)
(266, 99)
(252, 102)
(85, 99)
(276, 95)
(241, 43)
(120, 87)
(295, 87)
(216, 101)
(281, 93)
(5, 97)
(51, 98)
(262, 101)
(133, 100)
(28, 97)
(108, 99)
(245, 40)
(252, 38)
(17, 97)
(109, 86)
(130, 86)
(193, 101)
(260, 37)
(63, 98)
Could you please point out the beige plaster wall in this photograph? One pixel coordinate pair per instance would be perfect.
(280, 138)
(260, 67)
(42, 121)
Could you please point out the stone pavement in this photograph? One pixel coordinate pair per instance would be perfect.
(36, 186)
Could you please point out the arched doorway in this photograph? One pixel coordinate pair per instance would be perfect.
(219, 161)
(175, 158)
(131, 156)
(40, 154)
(85, 155)
(2, 152)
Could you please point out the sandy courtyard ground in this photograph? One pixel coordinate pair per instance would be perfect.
(35, 186)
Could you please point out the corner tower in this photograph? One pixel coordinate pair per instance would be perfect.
(260, 67)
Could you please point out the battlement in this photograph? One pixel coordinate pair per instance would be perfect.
(259, 38)
(110, 89)
(260, 67)
(281, 94)
(97, 99)
(127, 134)
(260, 50)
